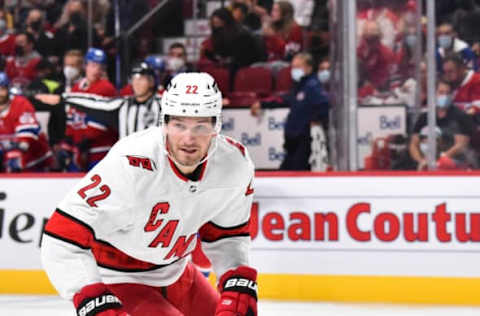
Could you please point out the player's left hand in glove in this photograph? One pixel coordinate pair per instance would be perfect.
(13, 161)
(97, 300)
(238, 290)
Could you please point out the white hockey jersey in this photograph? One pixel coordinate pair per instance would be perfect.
(134, 218)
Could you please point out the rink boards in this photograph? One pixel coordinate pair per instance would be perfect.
(376, 237)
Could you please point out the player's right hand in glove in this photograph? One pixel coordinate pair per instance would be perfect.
(238, 290)
(97, 300)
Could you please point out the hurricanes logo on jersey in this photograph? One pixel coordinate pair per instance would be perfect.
(166, 232)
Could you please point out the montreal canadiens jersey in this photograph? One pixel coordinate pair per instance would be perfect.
(134, 218)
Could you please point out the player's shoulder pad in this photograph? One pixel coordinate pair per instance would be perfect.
(23, 103)
(234, 154)
(140, 151)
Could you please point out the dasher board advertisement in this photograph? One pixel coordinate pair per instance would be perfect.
(376, 237)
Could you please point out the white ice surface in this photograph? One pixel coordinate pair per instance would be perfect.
(54, 306)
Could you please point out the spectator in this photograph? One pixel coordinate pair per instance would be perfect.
(285, 27)
(375, 59)
(177, 62)
(90, 137)
(449, 43)
(244, 13)
(44, 41)
(378, 11)
(274, 45)
(24, 146)
(72, 68)
(229, 43)
(47, 82)
(73, 29)
(464, 82)
(455, 129)
(308, 104)
(324, 73)
(21, 69)
(7, 40)
(405, 62)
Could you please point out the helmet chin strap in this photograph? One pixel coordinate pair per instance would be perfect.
(211, 150)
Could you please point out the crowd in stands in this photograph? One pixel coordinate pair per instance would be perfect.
(263, 53)
(392, 65)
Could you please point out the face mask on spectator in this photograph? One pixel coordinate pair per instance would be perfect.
(297, 74)
(70, 72)
(174, 64)
(36, 25)
(443, 101)
(19, 51)
(324, 76)
(411, 40)
(372, 39)
(3, 25)
(445, 41)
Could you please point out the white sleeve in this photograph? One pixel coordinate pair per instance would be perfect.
(226, 238)
(68, 266)
(80, 221)
(93, 101)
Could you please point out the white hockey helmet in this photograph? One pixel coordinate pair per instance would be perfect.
(193, 94)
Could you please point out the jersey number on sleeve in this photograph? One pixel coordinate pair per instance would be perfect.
(102, 196)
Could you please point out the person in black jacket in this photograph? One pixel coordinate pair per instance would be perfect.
(230, 43)
(308, 103)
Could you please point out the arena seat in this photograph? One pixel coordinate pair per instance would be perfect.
(222, 76)
(254, 79)
(283, 81)
(244, 99)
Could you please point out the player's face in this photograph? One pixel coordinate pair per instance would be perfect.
(141, 85)
(188, 138)
(93, 71)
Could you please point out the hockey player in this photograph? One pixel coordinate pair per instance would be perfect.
(23, 146)
(118, 243)
(87, 135)
(127, 114)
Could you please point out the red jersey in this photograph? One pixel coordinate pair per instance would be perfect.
(19, 124)
(467, 95)
(7, 45)
(275, 47)
(377, 61)
(294, 40)
(22, 70)
(81, 128)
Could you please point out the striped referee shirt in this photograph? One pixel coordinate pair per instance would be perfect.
(124, 114)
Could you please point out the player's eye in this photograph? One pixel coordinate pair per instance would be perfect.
(202, 130)
(179, 126)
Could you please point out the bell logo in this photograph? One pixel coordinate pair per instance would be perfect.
(228, 125)
(247, 140)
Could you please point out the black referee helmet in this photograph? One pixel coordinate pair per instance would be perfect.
(143, 69)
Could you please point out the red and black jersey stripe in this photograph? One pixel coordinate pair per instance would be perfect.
(69, 229)
(211, 232)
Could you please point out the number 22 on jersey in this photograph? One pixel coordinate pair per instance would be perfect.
(96, 180)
